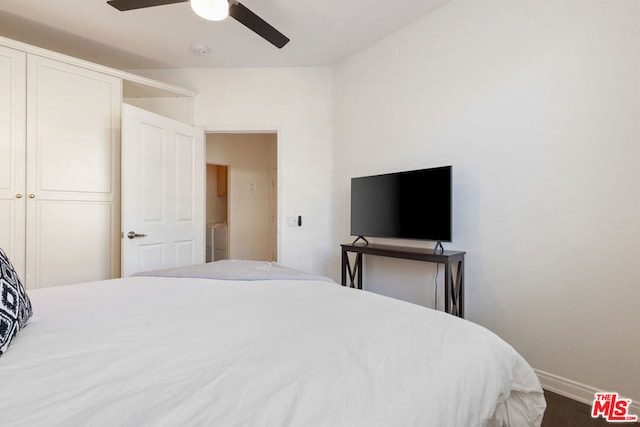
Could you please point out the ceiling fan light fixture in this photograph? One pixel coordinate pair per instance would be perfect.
(211, 10)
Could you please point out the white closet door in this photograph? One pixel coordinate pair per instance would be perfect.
(73, 152)
(163, 177)
(12, 156)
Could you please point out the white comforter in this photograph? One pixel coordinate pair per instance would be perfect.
(154, 351)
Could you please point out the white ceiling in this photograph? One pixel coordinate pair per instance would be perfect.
(322, 32)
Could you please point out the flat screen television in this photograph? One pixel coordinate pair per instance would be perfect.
(413, 205)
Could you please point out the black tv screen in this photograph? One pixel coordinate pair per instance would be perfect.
(405, 205)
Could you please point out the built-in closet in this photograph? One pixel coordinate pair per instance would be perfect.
(60, 161)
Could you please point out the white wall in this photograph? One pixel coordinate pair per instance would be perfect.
(296, 103)
(535, 104)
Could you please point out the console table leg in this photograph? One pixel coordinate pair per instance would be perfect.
(343, 272)
(448, 289)
(358, 267)
(454, 296)
(355, 273)
(460, 287)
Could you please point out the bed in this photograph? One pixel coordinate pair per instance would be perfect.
(244, 343)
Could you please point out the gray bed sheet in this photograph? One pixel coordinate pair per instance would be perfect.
(236, 269)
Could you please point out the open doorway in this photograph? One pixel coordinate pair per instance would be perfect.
(217, 212)
(247, 163)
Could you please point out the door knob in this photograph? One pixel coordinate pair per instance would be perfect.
(32, 196)
(133, 235)
(18, 196)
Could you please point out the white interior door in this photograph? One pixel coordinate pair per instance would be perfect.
(163, 178)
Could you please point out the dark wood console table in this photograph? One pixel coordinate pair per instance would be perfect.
(453, 284)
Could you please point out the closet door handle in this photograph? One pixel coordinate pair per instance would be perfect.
(18, 196)
(32, 196)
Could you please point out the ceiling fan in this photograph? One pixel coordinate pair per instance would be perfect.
(216, 10)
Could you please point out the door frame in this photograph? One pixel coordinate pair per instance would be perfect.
(249, 129)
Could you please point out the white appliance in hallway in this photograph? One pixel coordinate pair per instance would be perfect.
(217, 242)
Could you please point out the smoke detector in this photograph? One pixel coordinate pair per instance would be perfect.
(199, 49)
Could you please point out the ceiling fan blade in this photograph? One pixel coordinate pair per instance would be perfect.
(256, 24)
(139, 4)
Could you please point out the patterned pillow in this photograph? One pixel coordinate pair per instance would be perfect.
(15, 306)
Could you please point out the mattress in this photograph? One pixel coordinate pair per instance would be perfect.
(197, 351)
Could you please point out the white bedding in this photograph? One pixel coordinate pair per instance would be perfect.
(155, 351)
(237, 269)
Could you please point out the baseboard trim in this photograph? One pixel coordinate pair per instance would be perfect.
(575, 390)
